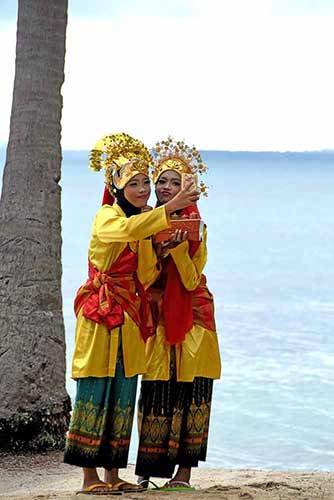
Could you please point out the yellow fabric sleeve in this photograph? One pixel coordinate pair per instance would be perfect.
(111, 225)
(147, 270)
(190, 269)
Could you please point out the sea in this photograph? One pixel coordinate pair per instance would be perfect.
(270, 219)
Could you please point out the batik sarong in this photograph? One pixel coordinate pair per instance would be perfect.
(173, 424)
(100, 428)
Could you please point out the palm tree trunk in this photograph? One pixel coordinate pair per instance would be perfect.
(35, 406)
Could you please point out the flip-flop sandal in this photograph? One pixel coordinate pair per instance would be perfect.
(184, 486)
(147, 482)
(131, 489)
(92, 490)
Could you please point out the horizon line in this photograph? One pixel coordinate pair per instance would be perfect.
(271, 151)
(3, 146)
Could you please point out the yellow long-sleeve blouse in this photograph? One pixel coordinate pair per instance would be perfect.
(198, 355)
(96, 347)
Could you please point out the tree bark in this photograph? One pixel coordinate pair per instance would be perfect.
(34, 408)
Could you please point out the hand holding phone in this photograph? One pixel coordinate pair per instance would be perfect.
(189, 179)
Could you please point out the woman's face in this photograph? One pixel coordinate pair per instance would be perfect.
(138, 190)
(168, 185)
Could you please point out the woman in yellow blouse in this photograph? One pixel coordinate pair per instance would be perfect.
(183, 356)
(113, 315)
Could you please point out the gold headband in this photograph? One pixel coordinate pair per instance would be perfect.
(122, 157)
(177, 156)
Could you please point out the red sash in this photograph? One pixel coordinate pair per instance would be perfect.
(182, 308)
(203, 306)
(106, 295)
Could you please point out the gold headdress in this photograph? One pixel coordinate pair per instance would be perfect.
(122, 156)
(177, 156)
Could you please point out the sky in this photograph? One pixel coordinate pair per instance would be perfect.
(246, 75)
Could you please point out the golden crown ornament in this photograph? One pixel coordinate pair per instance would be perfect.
(178, 156)
(122, 157)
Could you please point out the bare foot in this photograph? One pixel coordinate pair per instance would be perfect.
(143, 481)
(92, 480)
(183, 476)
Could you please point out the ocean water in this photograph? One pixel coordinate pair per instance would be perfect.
(270, 221)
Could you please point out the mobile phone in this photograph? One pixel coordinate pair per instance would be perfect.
(194, 183)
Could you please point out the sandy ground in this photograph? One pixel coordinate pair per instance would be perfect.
(45, 477)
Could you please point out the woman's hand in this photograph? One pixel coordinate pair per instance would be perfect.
(184, 198)
(176, 238)
(147, 208)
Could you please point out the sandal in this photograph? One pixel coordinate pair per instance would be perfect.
(92, 490)
(129, 487)
(183, 486)
(146, 482)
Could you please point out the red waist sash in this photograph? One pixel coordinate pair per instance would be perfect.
(106, 295)
(201, 304)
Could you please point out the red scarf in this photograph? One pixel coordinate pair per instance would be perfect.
(177, 302)
(108, 199)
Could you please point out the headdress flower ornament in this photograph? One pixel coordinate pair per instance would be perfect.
(122, 157)
(176, 155)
